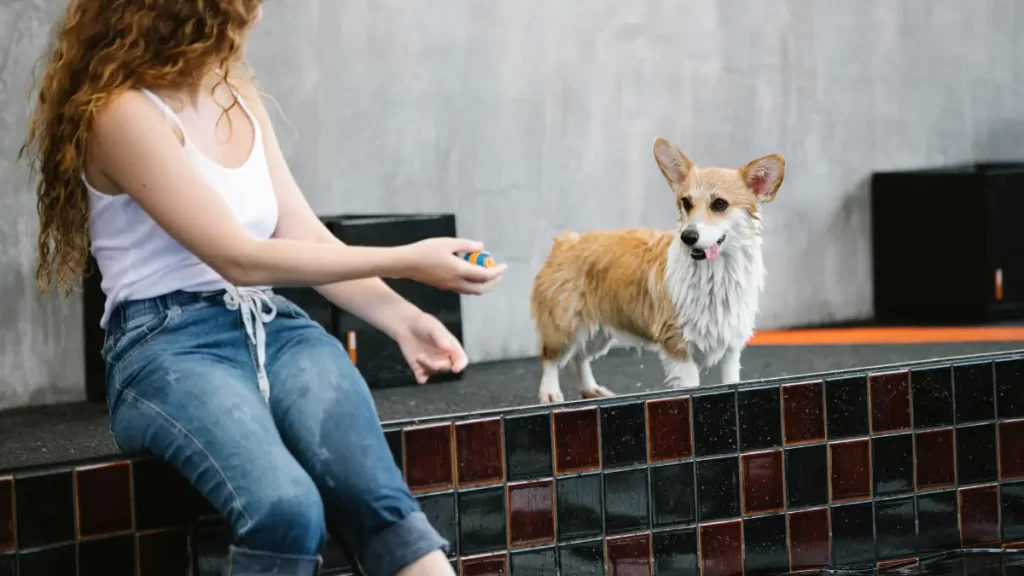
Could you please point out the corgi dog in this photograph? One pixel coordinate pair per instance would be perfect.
(690, 294)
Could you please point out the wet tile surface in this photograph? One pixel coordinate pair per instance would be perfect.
(670, 435)
(759, 424)
(936, 463)
(851, 469)
(890, 401)
(974, 392)
(104, 499)
(933, 397)
(718, 489)
(807, 476)
(673, 498)
(809, 540)
(528, 446)
(623, 435)
(979, 515)
(428, 457)
(629, 555)
(714, 424)
(577, 447)
(803, 413)
(893, 464)
(480, 452)
(763, 482)
(531, 513)
(721, 548)
(976, 459)
(765, 549)
(847, 407)
(839, 470)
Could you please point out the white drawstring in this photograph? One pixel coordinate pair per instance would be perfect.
(250, 303)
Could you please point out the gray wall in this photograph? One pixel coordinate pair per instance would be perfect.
(528, 117)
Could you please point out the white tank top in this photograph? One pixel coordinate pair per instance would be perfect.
(138, 260)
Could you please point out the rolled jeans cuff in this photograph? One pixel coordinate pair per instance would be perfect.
(402, 544)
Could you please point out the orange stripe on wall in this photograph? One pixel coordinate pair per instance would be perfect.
(895, 335)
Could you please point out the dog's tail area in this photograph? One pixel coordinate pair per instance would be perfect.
(567, 237)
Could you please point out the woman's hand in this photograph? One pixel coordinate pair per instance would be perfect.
(429, 347)
(433, 261)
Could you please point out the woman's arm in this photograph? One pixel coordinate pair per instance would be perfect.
(368, 298)
(133, 147)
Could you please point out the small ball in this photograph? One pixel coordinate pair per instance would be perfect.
(479, 258)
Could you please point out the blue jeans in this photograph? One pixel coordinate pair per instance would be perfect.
(181, 383)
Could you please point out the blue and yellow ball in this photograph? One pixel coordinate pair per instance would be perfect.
(479, 257)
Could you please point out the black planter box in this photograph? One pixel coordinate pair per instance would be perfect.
(376, 355)
(946, 244)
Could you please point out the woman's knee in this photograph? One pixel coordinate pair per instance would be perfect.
(285, 518)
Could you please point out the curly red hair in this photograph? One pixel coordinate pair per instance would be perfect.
(101, 48)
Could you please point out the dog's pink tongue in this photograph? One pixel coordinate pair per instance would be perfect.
(711, 252)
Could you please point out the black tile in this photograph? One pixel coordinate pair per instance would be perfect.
(974, 392)
(394, 438)
(623, 434)
(1010, 388)
(1012, 504)
(760, 424)
(807, 475)
(163, 553)
(938, 521)
(210, 542)
(108, 556)
(161, 495)
(534, 562)
(482, 521)
(675, 552)
(895, 533)
(8, 565)
(853, 538)
(580, 508)
(765, 550)
(714, 424)
(332, 554)
(582, 558)
(48, 561)
(440, 510)
(932, 389)
(718, 489)
(45, 508)
(976, 454)
(673, 498)
(528, 446)
(846, 407)
(893, 464)
(625, 501)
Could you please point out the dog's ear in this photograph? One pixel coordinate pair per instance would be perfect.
(674, 165)
(764, 176)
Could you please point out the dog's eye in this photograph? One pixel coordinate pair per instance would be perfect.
(687, 205)
(719, 205)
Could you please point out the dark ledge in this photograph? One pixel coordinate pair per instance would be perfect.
(55, 435)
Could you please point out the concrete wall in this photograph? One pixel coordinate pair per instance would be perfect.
(532, 116)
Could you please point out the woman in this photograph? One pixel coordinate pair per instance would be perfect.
(153, 147)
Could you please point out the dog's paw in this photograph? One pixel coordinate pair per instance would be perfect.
(551, 396)
(598, 392)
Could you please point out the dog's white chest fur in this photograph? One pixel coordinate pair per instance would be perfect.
(716, 301)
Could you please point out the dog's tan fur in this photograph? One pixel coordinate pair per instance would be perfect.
(617, 279)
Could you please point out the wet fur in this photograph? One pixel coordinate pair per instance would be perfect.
(643, 288)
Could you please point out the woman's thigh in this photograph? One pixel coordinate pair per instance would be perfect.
(193, 401)
(327, 417)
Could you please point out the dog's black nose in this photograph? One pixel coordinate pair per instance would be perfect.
(689, 236)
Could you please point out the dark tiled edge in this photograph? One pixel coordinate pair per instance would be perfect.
(853, 468)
